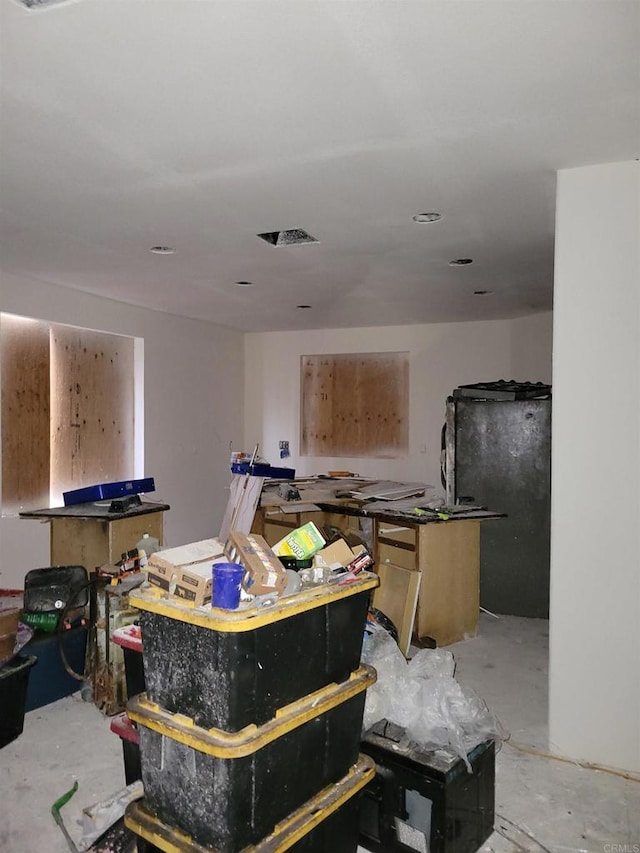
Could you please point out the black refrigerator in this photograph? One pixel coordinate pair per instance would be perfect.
(497, 453)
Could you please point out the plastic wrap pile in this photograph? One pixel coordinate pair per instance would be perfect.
(423, 697)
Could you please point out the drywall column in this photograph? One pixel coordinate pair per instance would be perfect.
(594, 681)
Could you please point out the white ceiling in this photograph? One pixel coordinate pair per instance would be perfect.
(197, 124)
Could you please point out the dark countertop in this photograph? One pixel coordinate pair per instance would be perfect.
(407, 517)
(94, 510)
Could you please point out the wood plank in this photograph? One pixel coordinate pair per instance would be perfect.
(397, 598)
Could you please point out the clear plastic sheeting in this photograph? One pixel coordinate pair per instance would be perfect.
(423, 697)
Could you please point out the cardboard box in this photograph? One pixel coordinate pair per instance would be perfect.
(160, 576)
(194, 583)
(265, 572)
(185, 571)
(186, 555)
(336, 553)
(339, 553)
(301, 543)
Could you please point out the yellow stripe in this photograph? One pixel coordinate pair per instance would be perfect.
(156, 601)
(221, 744)
(285, 835)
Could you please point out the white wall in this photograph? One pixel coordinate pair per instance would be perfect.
(531, 348)
(193, 410)
(442, 356)
(595, 554)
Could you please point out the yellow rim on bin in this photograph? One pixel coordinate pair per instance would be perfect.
(221, 744)
(287, 833)
(158, 601)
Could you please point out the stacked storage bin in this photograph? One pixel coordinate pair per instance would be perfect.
(129, 638)
(250, 726)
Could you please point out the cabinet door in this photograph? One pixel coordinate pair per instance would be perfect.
(449, 601)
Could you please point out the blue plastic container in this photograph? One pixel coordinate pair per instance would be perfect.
(227, 579)
(107, 491)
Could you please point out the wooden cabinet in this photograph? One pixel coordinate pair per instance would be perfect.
(445, 554)
(89, 536)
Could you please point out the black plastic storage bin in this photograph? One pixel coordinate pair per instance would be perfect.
(130, 641)
(227, 790)
(14, 678)
(228, 669)
(424, 800)
(122, 726)
(327, 822)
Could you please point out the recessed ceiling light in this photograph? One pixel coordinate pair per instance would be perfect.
(162, 250)
(427, 217)
(460, 262)
(481, 292)
(303, 306)
(244, 283)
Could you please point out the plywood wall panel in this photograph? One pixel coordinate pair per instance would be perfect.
(355, 405)
(25, 414)
(92, 416)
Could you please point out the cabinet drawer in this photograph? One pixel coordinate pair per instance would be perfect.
(405, 557)
(392, 533)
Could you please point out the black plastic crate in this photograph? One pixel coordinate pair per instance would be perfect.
(227, 790)
(327, 822)
(231, 669)
(426, 800)
(14, 678)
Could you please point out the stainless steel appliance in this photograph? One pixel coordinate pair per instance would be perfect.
(497, 453)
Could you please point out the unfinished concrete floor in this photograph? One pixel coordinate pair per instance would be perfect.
(542, 804)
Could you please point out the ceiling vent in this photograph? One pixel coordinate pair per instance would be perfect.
(292, 237)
